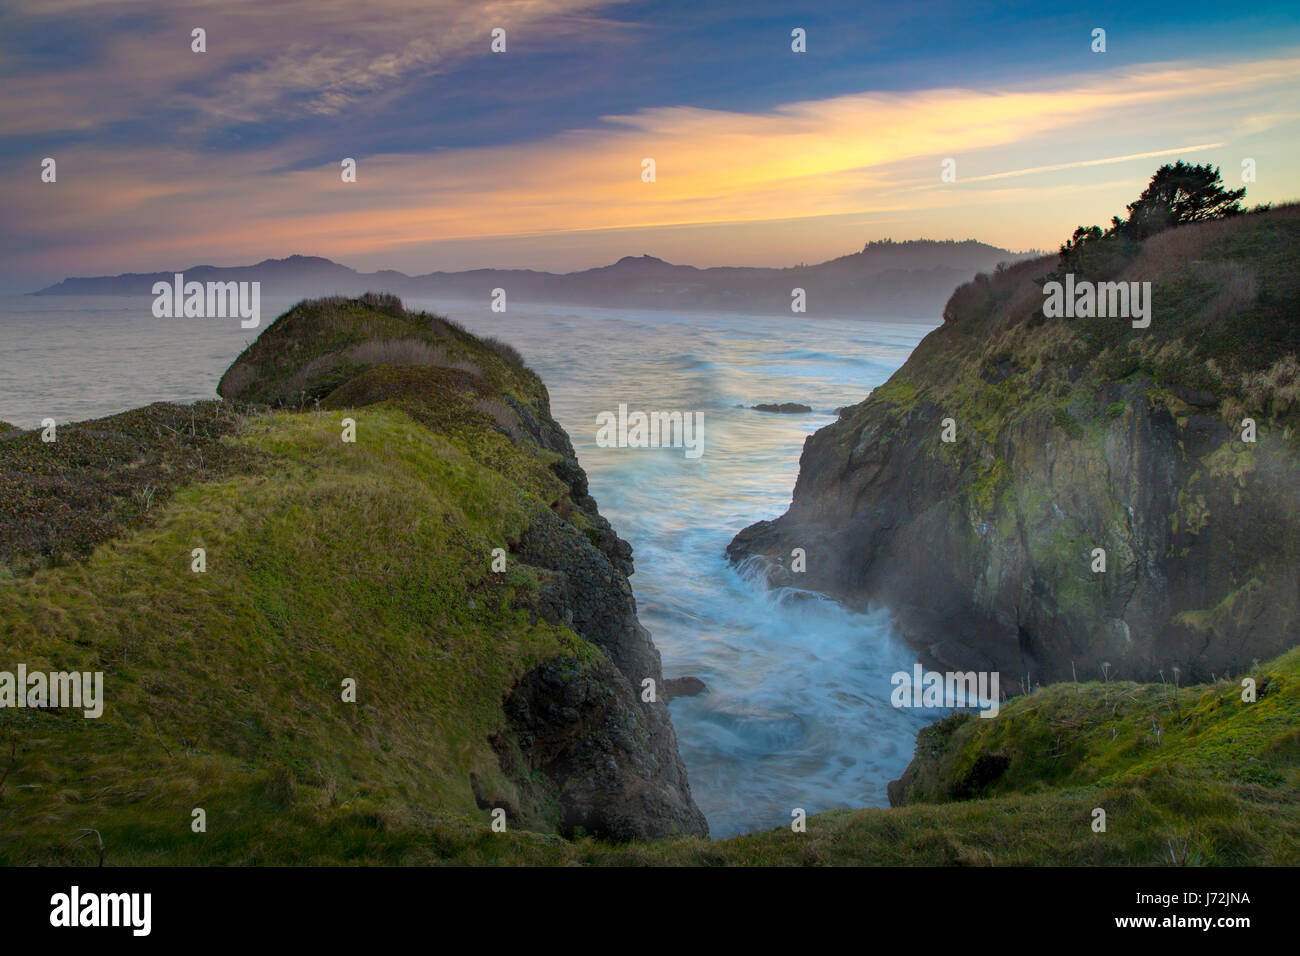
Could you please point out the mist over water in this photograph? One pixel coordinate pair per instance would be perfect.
(798, 712)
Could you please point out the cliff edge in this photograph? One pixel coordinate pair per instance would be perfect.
(367, 593)
(1113, 500)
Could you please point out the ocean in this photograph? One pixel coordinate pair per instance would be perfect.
(797, 713)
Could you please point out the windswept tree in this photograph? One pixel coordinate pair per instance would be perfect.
(1179, 194)
(1074, 244)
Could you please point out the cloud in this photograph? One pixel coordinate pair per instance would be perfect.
(264, 61)
(803, 159)
(1105, 161)
(869, 153)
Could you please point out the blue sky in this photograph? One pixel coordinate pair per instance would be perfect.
(470, 158)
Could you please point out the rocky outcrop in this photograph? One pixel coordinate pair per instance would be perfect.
(979, 490)
(369, 589)
(611, 755)
(676, 687)
(583, 743)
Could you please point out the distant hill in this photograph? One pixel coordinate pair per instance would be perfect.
(904, 280)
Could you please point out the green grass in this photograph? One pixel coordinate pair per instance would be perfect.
(1223, 772)
(371, 561)
(1099, 733)
(59, 500)
(309, 352)
(361, 561)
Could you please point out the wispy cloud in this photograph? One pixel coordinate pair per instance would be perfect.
(264, 61)
(870, 154)
(1106, 161)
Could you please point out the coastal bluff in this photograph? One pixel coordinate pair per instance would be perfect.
(367, 589)
(1077, 498)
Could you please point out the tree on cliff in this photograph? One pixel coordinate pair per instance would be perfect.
(1177, 194)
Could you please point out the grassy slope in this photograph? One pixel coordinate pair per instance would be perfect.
(1219, 785)
(368, 561)
(325, 560)
(1223, 321)
(329, 560)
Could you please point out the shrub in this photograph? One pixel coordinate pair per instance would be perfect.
(383, 302)
(406, 352)
(505, 350)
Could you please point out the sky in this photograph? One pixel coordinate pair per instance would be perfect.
(534, 157)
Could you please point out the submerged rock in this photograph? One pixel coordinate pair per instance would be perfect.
(684, 687)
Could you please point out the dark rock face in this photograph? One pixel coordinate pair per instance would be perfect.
(611, 760)
(985, 547)
(882, 519)
(545, 432)
(583, 740)
(611, 756)
(785, 408)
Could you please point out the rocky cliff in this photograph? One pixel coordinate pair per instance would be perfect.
(369, 591)
(476, 690)
(1071, 437)
(609, 759)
